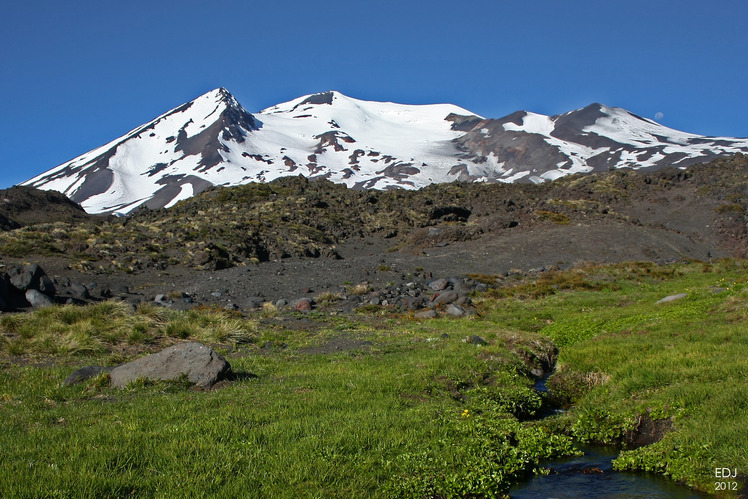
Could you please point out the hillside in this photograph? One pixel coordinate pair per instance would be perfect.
(21, 206)
(276, 239)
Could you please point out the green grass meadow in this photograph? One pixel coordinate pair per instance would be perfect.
(417, 412)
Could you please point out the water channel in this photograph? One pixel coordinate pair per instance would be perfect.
(592, 476)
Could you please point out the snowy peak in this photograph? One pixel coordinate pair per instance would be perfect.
(170, 158)
(213, 140)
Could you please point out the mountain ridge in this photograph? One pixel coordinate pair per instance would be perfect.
(213, 140)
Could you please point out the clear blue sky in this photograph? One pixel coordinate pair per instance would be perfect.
(75, 75)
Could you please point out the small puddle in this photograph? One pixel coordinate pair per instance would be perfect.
(592, 476)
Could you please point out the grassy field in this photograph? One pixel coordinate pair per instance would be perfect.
(414, 410)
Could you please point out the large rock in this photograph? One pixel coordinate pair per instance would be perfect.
(202, 365)
(31, 277)
(37, 299)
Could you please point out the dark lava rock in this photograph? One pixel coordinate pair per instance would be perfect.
(202, 365)
(85, 373)
(26, 277)
(477, 340)
(253, 302)
(79, 291)
(4, 290)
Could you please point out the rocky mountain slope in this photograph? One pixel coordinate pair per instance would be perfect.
(212, 140)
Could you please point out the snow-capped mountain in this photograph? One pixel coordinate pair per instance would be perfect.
(212, 140)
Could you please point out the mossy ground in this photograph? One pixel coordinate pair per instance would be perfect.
(419, 412)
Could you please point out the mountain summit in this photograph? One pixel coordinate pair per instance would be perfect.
(213, 140)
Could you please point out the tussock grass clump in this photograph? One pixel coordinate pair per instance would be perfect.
(548, 283)
(98, 328)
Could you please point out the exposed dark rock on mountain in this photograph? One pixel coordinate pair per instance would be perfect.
(212, 140)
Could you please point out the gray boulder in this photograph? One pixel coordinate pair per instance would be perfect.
(31, 277)
(455, 310)
(446, 297)
(202, 365)
(37, 299)
(439, 284)
(79, 291)
(425, 314)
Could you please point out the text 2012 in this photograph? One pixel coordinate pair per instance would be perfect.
(725, 473)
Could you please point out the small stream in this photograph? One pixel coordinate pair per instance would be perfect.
(592, 475)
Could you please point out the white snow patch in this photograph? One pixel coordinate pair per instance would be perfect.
(186, 192)
(533, 123)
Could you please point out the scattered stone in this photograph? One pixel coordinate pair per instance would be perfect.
(253, 302)
(281, 303)
(202, 365)
(477, 340)
(37, 299)
(446, 297)
(439, 284)
(62, 281)
(425, 314)
(672, 298)
(303, 305)
(84, 374)
(79, 291)
(455, 310)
